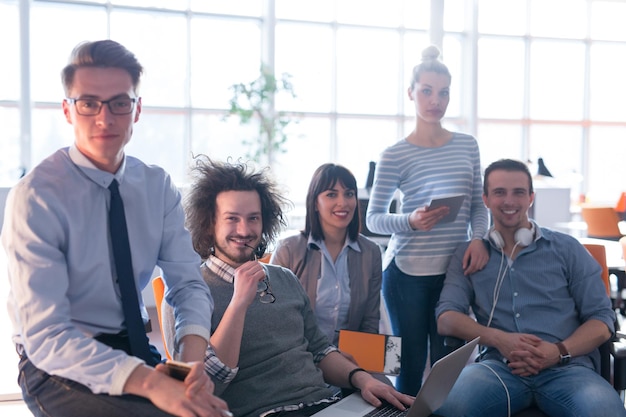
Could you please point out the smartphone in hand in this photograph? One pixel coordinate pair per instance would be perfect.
(177, 369)
(180, 370)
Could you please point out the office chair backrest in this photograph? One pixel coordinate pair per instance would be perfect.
(602, 222)
(599, 254)
(158, 287)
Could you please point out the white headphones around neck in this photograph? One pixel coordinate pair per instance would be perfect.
(523, 237)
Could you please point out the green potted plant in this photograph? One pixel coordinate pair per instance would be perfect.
(254, 101)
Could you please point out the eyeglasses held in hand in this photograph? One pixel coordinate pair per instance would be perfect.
(92, 107)
(266, 296)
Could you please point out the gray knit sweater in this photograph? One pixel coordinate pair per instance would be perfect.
(279, 342)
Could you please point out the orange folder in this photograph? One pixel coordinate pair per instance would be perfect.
(373, 352)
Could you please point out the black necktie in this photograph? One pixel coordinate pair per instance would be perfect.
(138, 340)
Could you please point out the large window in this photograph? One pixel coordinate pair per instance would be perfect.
(350, 72)
(553, 90)
(527, 88)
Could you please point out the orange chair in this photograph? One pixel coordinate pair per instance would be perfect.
(602, 222)
(599, 254)
(158, 287)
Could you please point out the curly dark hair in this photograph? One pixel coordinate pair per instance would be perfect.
(213, 177)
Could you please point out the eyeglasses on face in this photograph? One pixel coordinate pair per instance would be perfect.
(92, 107)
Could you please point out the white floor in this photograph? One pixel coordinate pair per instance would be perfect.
(14, 409)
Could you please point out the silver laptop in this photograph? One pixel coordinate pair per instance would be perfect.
(431, 396)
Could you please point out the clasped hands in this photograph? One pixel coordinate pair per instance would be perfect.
(527, 354)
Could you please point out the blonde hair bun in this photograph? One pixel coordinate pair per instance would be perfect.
(431, 53)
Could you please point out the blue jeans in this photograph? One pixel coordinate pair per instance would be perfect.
(411, 305)
(571, 390)
(52, 396)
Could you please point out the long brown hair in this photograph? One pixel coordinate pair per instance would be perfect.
(325, 178)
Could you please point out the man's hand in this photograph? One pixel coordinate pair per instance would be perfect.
(190, 398)
(526, 363)
(524, 352)
(373, 391)
(476, 257)
(511, 342)
(247, 278)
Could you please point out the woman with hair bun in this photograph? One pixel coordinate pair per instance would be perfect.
(430, 162)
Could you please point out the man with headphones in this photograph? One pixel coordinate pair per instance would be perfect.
(541, 312)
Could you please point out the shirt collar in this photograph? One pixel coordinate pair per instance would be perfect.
(98, 176)
(313, 242)
(220, 268)
(352, 244)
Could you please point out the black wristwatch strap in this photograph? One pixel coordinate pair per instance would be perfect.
(565, 355)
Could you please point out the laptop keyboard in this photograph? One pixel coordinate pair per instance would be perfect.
(387, 410)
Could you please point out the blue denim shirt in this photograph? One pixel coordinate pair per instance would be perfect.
(549, 290)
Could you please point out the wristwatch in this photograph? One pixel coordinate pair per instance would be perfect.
(564, 354)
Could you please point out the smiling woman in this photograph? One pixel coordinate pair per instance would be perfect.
(339, 268)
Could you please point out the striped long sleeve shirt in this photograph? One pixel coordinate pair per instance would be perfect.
(421, 174)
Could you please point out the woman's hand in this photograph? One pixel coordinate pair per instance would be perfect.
(424, 219)
(476, 257)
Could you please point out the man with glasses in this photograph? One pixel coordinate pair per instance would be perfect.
(268, 355)
(83, 232)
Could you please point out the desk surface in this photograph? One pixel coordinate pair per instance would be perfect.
(614, 255)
